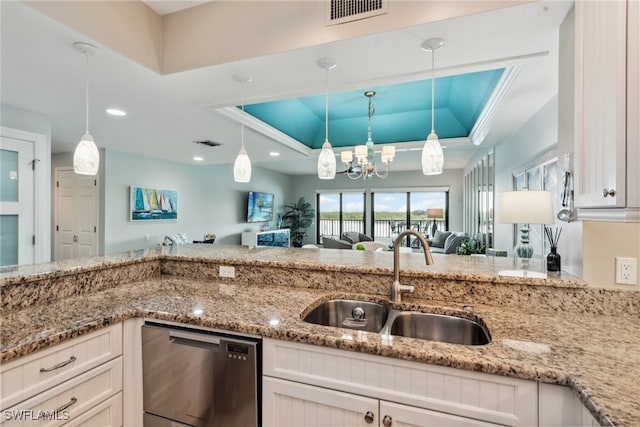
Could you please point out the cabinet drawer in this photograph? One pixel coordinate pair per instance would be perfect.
(68, 400)
(30, 375)
(105, 414)
(490, 398)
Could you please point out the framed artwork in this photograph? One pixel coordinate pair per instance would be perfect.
(152, 204)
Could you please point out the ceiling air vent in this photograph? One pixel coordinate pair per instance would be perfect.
(208, 143)
(341, 11)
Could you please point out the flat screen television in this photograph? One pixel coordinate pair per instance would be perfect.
(259, 207)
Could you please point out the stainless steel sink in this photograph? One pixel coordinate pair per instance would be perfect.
(350, 314)
(436, 327)
(376, 317)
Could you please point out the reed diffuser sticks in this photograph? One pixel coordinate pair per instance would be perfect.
(553, 259)
(553, 236)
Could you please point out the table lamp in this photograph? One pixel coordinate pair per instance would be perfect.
(525, 207)
(434, 213)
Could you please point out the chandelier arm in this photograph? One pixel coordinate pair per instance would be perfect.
(386, 173)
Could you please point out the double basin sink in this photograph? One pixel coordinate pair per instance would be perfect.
(380, 318)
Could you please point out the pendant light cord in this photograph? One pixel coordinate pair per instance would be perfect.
(242, 123)
(372, 110)
(87, 95)
(326, 104)
(433, 89)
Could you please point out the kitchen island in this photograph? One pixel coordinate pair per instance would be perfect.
(556, 330)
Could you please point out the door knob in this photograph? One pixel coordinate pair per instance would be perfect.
(606, 192)
(368, 417)
(387, 421)
(75, 239)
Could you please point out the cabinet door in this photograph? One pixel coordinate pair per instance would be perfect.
(395, 415)
(286, 403)
(600, 107)
(560, 406)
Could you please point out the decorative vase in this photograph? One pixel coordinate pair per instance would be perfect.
(553, 260)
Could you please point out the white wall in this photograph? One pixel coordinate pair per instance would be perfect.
(209, 201)
(307, 185)
(537, 136)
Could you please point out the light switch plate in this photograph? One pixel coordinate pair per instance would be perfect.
(227, 271)
(626, 271)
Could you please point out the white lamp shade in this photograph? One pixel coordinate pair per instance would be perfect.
(432, 156)
(346, 156)
(525, 207)
(86, 158)
(361, 151)
(388, 153)
(242, 167)
(326, 162)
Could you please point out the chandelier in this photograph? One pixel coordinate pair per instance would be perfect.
(364, 166)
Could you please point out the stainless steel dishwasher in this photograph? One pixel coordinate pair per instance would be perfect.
(199, 378)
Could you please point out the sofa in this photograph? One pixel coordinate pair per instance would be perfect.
(346, 241)
(447, 242)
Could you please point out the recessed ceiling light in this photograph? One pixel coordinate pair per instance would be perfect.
(116, 112)
(198, 158)
(274, 154)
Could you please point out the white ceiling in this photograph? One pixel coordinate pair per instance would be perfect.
(164, 7)
(42, 72)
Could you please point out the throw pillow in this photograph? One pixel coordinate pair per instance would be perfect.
(364, 238)
(439, 239)
(351, 236)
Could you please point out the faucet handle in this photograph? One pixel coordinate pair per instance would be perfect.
(407, 289)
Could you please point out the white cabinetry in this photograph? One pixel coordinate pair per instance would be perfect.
(606, 108)
(559, 406)
(304, 380)
(71, 378)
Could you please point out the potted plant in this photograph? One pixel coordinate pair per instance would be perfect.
(297, 218)
(470, 247)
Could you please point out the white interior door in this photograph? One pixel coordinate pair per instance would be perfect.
(75, 215)
(16, 202)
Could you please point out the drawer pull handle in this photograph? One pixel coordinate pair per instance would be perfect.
(68, 404)
(606, 192)
(387, 421)
(59, 365)
(368, 417)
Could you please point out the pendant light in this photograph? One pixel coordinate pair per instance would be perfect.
(432, 156)
(242, 165)
(86, 158)
(327, 158)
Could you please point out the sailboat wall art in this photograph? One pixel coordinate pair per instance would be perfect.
(151, 204)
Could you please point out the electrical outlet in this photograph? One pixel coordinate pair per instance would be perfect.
(227, 271)
(626, 271)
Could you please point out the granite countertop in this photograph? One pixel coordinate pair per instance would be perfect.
(469, 268)
(598, 356)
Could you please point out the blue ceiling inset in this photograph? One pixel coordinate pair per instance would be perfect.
(402, 111)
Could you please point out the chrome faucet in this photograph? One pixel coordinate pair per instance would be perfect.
(396, 287)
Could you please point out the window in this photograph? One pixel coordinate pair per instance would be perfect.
(394, 212)
(542, 174)
(339, 212)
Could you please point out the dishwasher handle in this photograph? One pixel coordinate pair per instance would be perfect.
(206, 342)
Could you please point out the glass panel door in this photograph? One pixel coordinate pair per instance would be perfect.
(16, 202)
